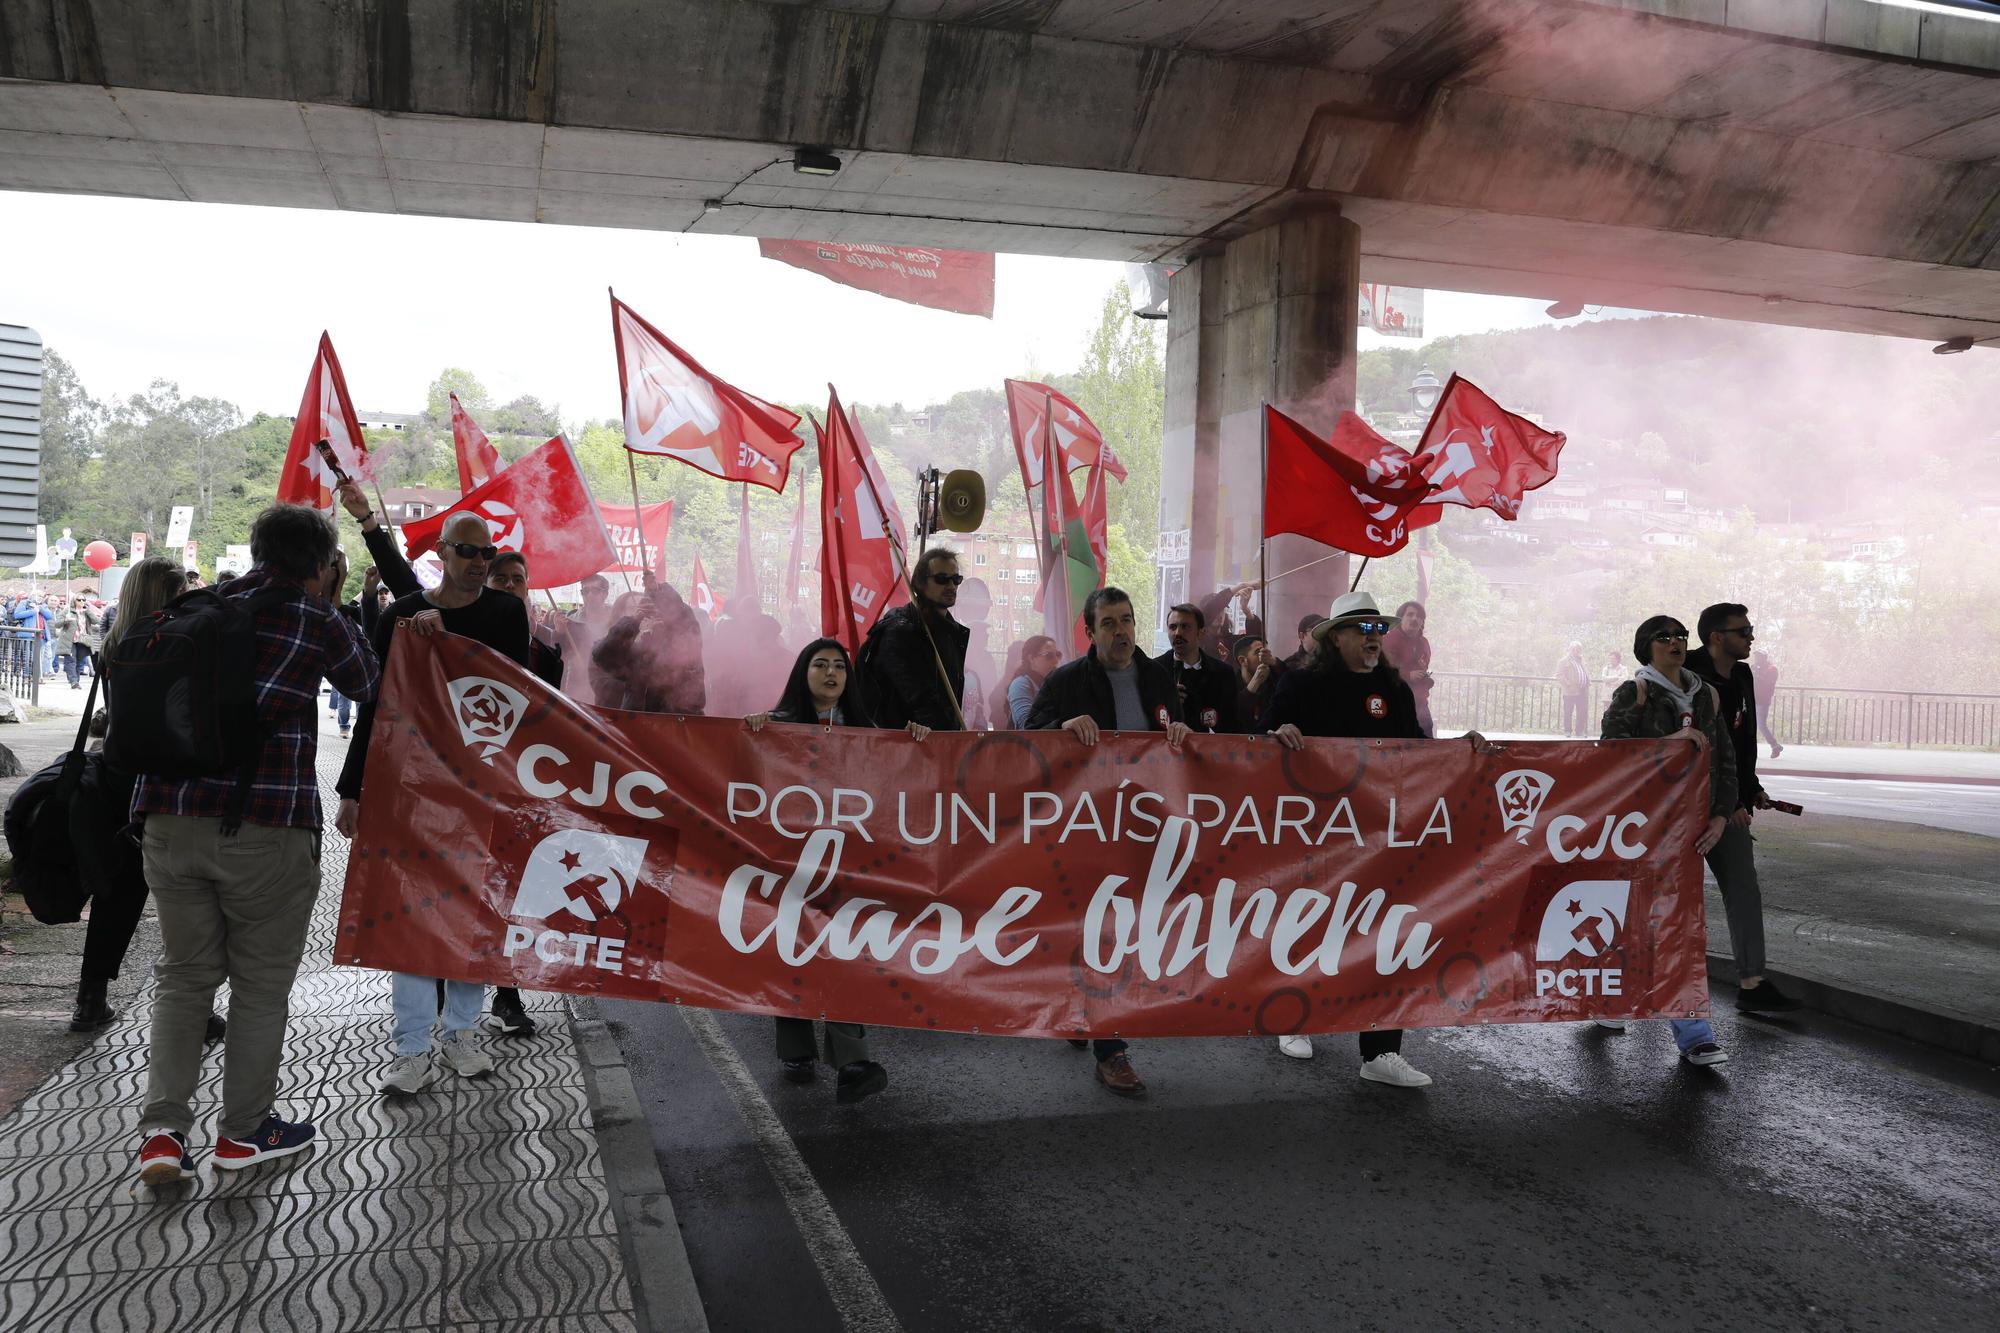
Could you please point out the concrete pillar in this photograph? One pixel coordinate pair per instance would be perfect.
(1270, 318)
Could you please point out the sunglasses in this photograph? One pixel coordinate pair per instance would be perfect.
(1747, 631)
(949, 580)
(1671, 636)
(467, 551)
(1370, 626)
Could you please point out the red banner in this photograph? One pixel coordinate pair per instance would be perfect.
(640, 535)
(957, 280)
(1016, 882)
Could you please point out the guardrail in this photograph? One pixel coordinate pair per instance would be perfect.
(1799, 714)
(21, 664)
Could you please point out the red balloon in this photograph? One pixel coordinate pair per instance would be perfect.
(100, 556)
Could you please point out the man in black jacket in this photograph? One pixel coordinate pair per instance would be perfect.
(1206, 685)
(1113, 687)
(901, 658)
(1723, 661)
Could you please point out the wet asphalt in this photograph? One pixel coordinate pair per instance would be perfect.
(1552, 1177)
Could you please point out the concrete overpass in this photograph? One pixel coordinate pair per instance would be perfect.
(1833, 163)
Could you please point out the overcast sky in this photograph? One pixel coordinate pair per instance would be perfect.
(228, 300)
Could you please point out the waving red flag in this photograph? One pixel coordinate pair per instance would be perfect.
(1356, 492)
(540, 507)
(675, 409)
(858, 539)
(639, 534)
(702, 597)
(1076, 435)
(1480, 455)
(478, 462)
(325, 413)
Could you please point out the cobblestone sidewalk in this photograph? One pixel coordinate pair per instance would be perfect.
(476, 1204)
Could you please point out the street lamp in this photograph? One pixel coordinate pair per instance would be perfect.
(1424, 391)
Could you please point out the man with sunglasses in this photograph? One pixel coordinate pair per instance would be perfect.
(461, 604)
(900, 661)
(1723, 661)
(1348, 689)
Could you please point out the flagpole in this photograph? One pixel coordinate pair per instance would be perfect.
(1060, 566)
(639, 520)
(1299, 569)
(1263, 535)
(1359, 572)
(903, 573)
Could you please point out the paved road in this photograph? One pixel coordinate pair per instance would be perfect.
(1945, 805)
(1553, 1177)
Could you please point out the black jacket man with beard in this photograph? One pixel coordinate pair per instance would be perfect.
(1206, 684)
(899, 662)
(1113, 687)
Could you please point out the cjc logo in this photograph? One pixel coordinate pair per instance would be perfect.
(1584, 919)
(487, 712)
(587, 874)
(1521, 793)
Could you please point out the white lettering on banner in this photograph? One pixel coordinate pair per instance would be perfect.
(1585, 918)
(624, 793)
(1164, 940)
(1611, 835)
(549, 946)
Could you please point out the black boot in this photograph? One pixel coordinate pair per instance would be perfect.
(92, 1011)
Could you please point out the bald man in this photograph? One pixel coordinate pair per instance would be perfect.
(461, 604)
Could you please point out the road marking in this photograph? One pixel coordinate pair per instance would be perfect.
(856, 1296)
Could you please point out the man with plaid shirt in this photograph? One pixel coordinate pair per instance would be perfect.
(235, 906)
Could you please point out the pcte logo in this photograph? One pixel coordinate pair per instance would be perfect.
(586, 874)
(1583, 922)
(1378, 707)
(487, 712)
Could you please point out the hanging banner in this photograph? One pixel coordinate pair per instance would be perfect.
(1016, 882)
(957, 280)
(639, 534)
(180, 520)
(1395, 312)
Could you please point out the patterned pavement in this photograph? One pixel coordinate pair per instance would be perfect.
(476, 1204)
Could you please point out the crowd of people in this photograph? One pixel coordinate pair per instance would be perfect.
(232, 862)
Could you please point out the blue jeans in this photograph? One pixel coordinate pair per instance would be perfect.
(415, 1002)
(1690, 1032)
(339, 703)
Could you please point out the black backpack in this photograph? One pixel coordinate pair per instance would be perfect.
(186, 701)
(45, 871)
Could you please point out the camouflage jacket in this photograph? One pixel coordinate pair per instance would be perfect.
(1633, 714)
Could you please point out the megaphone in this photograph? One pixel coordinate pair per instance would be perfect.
(961, 500)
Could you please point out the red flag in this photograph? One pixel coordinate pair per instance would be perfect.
(478, 463)
(540, 507)
(746, 564)
(1357, 492)
(325, 413)
(1480, 455)
(1082, 444)
(798, 552)
(675, 409)
(640, 535)
(858, 539)
(1071, 566)
(702, 597)
(955, 280)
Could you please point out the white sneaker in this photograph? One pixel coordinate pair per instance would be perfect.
(1298, 1046)
(1708, 1053)
(1610, 1024)
(408, 1074)
(466, 1054)
(1394, 1069)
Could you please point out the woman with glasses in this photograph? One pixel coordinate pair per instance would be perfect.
(823, 691)
(1666, 699)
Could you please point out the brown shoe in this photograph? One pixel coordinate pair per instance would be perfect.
(1116, 1073)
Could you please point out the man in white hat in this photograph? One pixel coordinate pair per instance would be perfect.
(1350, 690)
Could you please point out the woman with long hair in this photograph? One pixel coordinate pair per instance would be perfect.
(109, 861)
(1666, 699)
(822, 690)
(1039, 656)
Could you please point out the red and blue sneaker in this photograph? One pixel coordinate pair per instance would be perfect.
(274, 1138)
(164, 1160)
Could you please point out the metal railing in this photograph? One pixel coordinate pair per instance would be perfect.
(1799, 715)
(21, 664)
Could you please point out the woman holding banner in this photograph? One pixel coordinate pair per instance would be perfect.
(1668, 700)
(823, 689)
